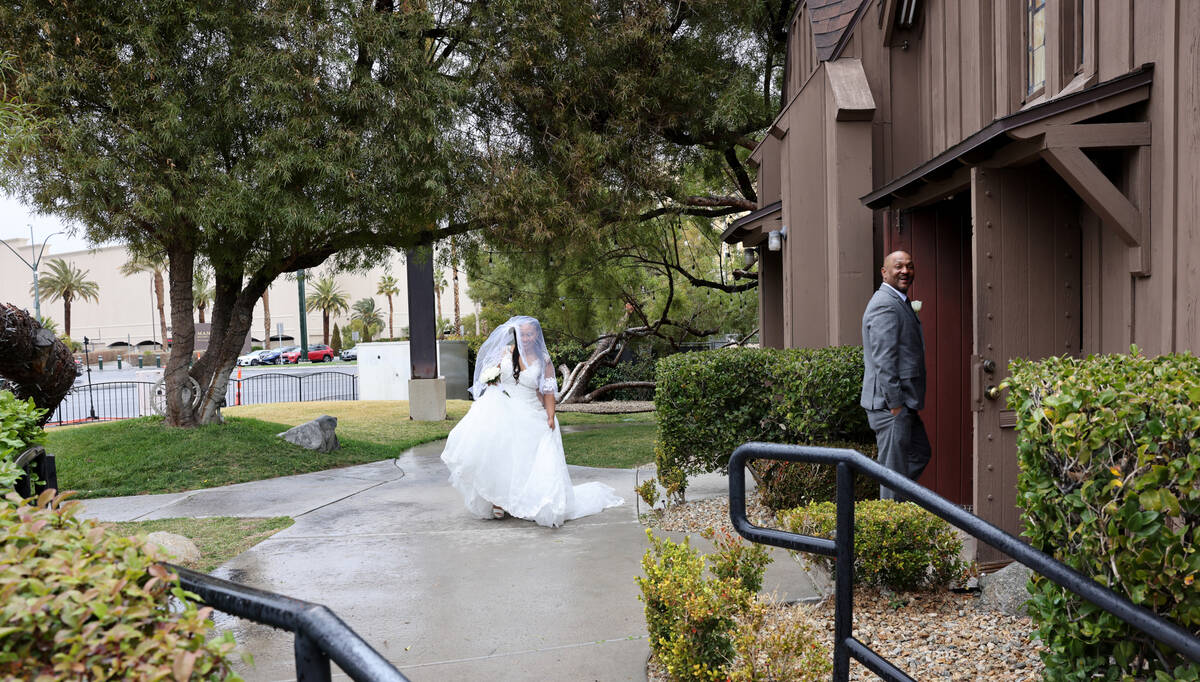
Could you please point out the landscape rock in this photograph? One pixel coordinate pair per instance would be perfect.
(179, 548)
(1004, 590)
(317, 434)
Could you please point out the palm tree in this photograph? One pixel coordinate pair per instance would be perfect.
(439, 283)
(366, 313)
(388, 286)
(156, 265)
(64, 280)
(266, 318)
(327, 298)
(202, 290)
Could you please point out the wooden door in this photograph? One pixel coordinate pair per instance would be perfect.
(938, 238)
(1026, 253)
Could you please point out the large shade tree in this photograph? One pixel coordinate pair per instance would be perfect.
(265, 137)
(612, 139)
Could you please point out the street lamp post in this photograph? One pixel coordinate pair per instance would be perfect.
(37, 297)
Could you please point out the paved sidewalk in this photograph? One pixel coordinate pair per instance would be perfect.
(391, 550)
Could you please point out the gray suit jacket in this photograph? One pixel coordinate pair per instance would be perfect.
(894, 354)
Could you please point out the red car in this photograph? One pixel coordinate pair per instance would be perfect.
(290, 355)
(320, 353)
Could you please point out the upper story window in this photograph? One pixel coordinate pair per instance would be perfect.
(1035, 46)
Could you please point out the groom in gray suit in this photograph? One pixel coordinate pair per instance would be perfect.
(893, 387)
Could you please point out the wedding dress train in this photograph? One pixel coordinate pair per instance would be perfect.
(504, 453)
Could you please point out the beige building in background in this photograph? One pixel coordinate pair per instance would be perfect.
(127, 313)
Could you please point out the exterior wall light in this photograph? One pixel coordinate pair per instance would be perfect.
(775, 239)
(751, 256)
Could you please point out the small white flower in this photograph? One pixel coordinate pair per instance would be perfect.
(916, 305)
(490, 375)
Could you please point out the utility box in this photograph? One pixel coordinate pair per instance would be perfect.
(385, 367)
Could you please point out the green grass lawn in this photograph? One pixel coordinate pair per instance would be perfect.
(219, 539)
(141, 456)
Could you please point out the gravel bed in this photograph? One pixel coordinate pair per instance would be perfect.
(938, 635)
(609, 407)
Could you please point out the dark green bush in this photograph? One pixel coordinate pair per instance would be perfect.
(638, 369)
(81, 603)
(1109, 452)
(710, 402)
(787, 485)
(896, 544)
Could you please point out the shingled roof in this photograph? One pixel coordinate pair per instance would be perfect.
(832, 21)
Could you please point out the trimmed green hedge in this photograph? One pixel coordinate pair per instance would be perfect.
(1109, 450)
(710, 402)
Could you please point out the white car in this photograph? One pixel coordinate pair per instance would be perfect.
(250, 358)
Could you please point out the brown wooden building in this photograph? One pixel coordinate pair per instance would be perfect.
(1039, 158)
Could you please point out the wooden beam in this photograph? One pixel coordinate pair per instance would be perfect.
(1097, 135)
(933, 191)
(1082, 113)
(1101, 195)
(1012, 154)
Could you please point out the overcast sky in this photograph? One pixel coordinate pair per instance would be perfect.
(15, 220)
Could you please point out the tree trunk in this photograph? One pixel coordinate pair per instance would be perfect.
(391, 330)
(35, 363)
(577, 380)
(201, 310)
(325, 327)
(162, 314)
(266, 299)
(614, 387)
(457, 314)
(180, 263)
(67, 314)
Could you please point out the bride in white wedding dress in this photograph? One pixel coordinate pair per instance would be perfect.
(506, 455)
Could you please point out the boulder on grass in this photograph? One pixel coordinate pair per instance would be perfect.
(178, 547)
(1005, 591)
(317, 434)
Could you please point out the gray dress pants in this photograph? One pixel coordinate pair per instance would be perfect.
(903, 444)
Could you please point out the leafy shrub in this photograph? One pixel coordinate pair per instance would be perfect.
(1109, 452)
(690, 619)
(639, 369)
(648, 491)
(737, 560)
(80, 603)
(20, 429)
(709, 628)
(896, 544)
(786, 485)
(710, 402)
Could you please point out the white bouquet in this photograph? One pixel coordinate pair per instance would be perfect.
(491, 375)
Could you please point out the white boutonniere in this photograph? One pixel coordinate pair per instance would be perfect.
(916, 306)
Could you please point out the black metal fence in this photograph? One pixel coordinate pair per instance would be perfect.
(277, 387)
(112, 400)
(849, 462)
(320, 636)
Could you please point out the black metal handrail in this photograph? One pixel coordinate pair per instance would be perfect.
(842, 548)
(41, 472)
(320, 635)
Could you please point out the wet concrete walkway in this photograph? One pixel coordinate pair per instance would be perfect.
(391, 550)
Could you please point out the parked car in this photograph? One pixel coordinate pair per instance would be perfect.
(269, 357)
(320, 353)
(291, 354)
(251, 358)
(349, 354)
